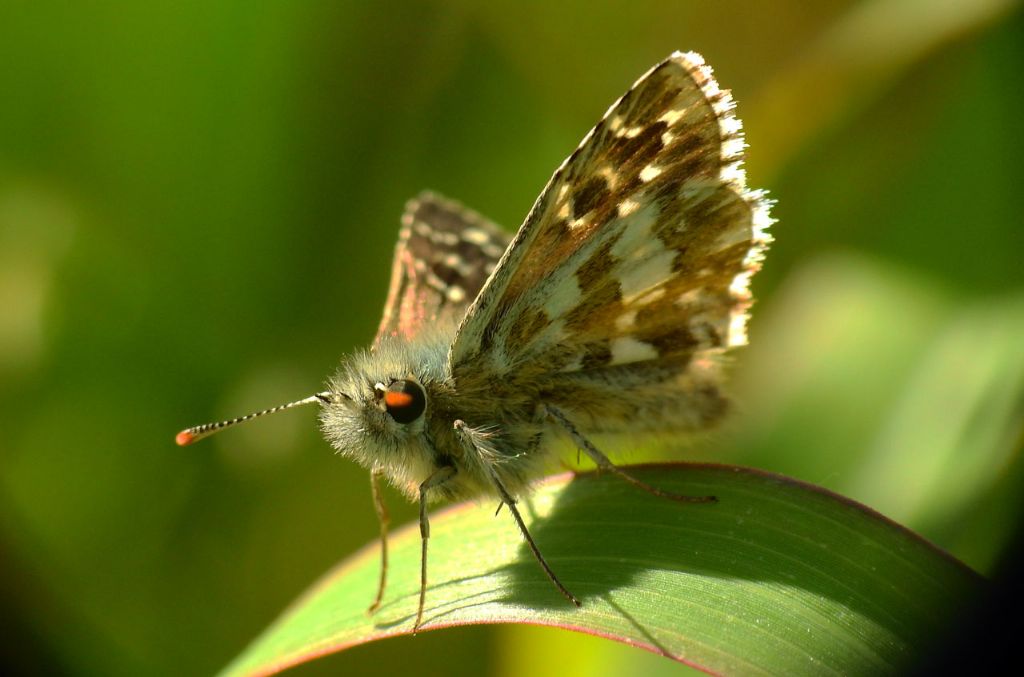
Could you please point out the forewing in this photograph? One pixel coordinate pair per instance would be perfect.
(639, 249)
(444, 255)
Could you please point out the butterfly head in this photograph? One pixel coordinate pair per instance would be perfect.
(380, 402)
(362, 409)
(390, 409)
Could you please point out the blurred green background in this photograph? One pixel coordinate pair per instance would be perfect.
(198, 203)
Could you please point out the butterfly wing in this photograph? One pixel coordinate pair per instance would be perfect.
(445, 253)
(631, 271)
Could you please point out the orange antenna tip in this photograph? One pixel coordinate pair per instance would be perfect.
(190, 435)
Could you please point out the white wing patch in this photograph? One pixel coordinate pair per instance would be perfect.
(626, 349)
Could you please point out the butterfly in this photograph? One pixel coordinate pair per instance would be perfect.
(607, 312)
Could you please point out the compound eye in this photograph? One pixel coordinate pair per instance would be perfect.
(405, 401)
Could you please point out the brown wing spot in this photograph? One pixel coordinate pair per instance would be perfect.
(600, 289)
(522, 330)
(690, 155)
(650, 99)
(597, 267)
(674, 329)
(596, 354)
(604, 298)
(717, 268)
(591, 194)
(448, 275)
(656, 106)
(469, 251)
(639, 150)
(668, 340)
(711, 334)
(693, 227)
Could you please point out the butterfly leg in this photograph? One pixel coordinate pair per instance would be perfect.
(437, 478)
(385, 520)
(506, 499)
(604, 463)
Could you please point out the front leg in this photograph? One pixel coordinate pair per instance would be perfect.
(437, 478)
(384, 519)
(506, 499)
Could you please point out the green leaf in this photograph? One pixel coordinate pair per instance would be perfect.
(777, 577)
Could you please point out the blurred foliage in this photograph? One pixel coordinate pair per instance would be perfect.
(197, 207)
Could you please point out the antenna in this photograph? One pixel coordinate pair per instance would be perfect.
(190, 435)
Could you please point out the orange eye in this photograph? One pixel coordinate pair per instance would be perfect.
(405, 401)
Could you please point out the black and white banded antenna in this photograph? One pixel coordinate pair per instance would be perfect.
(195, 433)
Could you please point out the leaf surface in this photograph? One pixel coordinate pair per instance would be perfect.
(777, 577)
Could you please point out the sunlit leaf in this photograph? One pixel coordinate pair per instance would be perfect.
(777, 577)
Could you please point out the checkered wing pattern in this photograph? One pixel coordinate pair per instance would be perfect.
(445, 253)
(631, 272)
